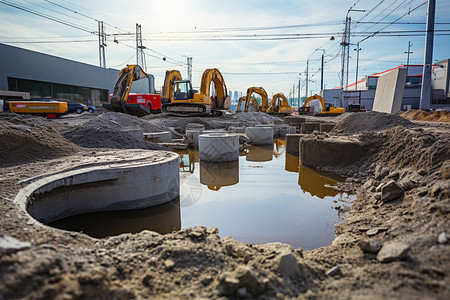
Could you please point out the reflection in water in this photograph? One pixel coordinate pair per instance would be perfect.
(259, 153)
(278, 147)
(291, 163)
(218, 174)
(270, 201)
(314, 182)
(310, 180)
(188, 158)
(162, 218)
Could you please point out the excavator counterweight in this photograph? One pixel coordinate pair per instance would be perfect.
(134, 93)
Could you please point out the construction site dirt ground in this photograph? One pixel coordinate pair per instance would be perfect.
(394, 243)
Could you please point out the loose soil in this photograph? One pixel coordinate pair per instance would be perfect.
(420, 115)
(408, 160)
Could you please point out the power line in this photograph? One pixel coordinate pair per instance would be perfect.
(46, 16)
(379, 31)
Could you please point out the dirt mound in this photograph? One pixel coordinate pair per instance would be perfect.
(119, 121)
(23, 140)
(420, 115)
(369, 121)
(258, 117)
(111, 130)
(107, 138)
(413, 148)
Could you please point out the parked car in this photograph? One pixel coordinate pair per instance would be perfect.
(91, 108)
(76, 108)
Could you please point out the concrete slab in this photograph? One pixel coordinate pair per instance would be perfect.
(389, 93)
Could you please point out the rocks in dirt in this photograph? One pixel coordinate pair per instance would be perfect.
(335, 271)
(445, 170)
(441, 189)
(10, 244)
(392, 251)
(169, 264)
(242, 283)
(375, 231)
(391, 191)
(381, 172)
(371, 246)
(287, 264)
(442, 238)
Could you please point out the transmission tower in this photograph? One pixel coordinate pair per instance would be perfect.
(189, 68)
(140, 55)
(345, 55)
(101, 44)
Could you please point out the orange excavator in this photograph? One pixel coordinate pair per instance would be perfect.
(180, 99)
(280, 105)
(258, 90)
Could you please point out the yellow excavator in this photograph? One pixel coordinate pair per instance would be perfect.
(280, 105)
(326, 108)
(179, 99)
(258, 90)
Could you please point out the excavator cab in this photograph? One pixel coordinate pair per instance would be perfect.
(183, 90)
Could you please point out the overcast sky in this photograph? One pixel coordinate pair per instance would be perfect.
(253, 43)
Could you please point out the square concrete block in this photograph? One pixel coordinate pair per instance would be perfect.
(389, 93)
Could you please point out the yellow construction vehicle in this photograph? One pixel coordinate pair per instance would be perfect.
(167, 90)
(258, 90)
(280, 105)
(49, 109)
(134, 93)
(181, 100)
(326, 108)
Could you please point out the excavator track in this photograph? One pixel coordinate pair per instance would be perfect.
(186, 109)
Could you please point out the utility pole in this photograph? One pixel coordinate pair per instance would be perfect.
(407, 60)
(189, 68)
(307, 78)
(425, 94)
(357, 64)
(101, 44)
(321, 71)
(298, 102)
(140, 55)
(345, 56)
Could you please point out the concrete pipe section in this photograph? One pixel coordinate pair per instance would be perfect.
(260, 135)
(192, 136)
(218, 147)
(158, 137)
(118, 180)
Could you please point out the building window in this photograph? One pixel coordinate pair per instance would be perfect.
(56, 91)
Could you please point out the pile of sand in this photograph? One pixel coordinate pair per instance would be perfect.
(369, 121)
(420, 115)
(111, 130)
(23, 140)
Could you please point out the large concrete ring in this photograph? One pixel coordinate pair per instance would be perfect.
(218, 147)
(260, 135)
(120, 180)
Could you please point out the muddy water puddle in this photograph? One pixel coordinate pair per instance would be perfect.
(263, 197)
